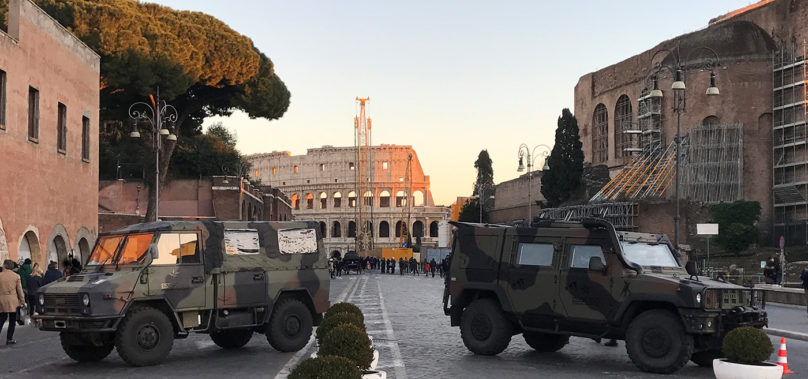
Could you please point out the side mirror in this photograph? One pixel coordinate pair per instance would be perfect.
(153, 252)
(690, 267)
(596, 264)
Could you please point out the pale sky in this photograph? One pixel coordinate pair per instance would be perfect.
(449, 78)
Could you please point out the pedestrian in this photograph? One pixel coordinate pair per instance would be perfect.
(34, 282)
(432, 267)
(12, 297)
(804, 278)
(331, 267)
(427, 269)
(75, 266)
(24, 272)
(393, 266)
(52, 274)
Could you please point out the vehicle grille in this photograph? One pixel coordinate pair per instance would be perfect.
(62, 303)
(729, 298)
(75, 278)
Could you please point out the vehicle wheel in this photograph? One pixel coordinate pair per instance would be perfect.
(705, 358)
(290, 326)
(144, 337)
(545, 342)
(231, 338)
(484, 328)
(84, 352)
(656, 342)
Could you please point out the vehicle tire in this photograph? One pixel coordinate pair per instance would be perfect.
(705, 358)
(144, 337)
(656, 342)
(484, 328)
(290, 326)
(231, 338)
(545, 342)
(84, 352)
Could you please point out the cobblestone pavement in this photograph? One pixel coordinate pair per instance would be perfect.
(405, 317)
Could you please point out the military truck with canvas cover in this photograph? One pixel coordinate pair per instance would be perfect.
(560, 279)
(145, 285)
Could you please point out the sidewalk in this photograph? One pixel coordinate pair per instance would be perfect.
(790, 321)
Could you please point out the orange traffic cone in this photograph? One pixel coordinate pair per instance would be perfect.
(782, 357)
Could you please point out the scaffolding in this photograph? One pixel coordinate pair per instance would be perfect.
(649, 121)
(712, 163)
(620, 214)
(789, 150)
(648, 175)
(364, 179)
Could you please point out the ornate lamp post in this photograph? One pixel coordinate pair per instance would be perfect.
(524, 149)
(481, 201)
(679, 68)
(160, 117)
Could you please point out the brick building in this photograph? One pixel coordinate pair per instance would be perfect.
(761, 74)
(510, 203)
(122, 203)
(49, 107)
(322, 187)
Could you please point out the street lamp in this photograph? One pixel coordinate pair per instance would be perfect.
(678, 68)
(161, 118)
(531, 156)
(481, 202)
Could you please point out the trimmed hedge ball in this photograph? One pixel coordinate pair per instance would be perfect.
(326, 367)
(344, 308)
(332, 322)
(747, 345)
(350, 342)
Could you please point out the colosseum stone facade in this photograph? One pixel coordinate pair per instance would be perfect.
(322, 187)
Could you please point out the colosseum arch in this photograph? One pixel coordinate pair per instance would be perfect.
(309, 201)
(433, 229)
(295, 201)
(323, 200)
(384, 229)
(352, 199)
(368, 198)
(401, 199)
(351, 229)
(29, 246)
(384, 199)
(418, 198)
(336, 229)
(418, 228)
(337, 199)
(400, 227)
(323, 231)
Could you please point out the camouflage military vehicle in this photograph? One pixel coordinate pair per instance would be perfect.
(562, 279)
(146, 285)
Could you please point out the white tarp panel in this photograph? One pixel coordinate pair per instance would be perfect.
(297, 241)
(241, 242)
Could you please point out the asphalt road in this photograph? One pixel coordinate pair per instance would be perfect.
(404, 315)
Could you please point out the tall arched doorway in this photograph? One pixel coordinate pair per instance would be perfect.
(29, 247)
(59, 252)
(84, 250)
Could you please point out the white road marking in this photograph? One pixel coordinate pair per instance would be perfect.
(398, 363)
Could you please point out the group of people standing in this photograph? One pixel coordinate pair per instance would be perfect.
(18, 287)
(413, 266)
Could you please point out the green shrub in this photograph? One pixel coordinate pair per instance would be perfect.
(326, 367)
(350, 342)
(736, 224)
(345, 308)
(747, 345)
(335, 320)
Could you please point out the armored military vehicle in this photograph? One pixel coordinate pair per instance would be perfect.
(556, 279)
(145, 285)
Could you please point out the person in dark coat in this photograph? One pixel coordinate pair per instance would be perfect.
(52, 275)
(33, 283)
(804, 278)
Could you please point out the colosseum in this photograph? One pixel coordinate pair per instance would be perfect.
(322, 185)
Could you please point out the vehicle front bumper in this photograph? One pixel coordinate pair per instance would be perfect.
(84, 324)
(701, 321)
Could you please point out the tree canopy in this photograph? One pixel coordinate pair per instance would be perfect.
(485, 174)
(201, 66)
(566, 162)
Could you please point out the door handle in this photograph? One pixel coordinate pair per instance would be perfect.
(258, 276)
(197, 279)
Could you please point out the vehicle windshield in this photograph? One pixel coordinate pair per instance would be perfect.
(134, 249)
(645, 254)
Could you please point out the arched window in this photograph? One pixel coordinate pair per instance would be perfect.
(337, 199)
(351, 229)
(384, 229)
(352, 199)
(322, 229)
(323, 200)
(401, 228)
(418, 229)
(623, 139)
(401, 199)
(600, 134)
(433, 229)
(418, 198)
(296, 201)
(309, 201)
(710, 121)
(384, 199)
(368, 198)
(369, 226)
(61, 249)
(336, 230)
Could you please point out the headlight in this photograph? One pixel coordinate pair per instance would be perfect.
(698, 298)
(41, 299)
(85, 299)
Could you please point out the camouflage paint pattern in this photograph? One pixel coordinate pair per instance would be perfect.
(558, 298)
(193, 291)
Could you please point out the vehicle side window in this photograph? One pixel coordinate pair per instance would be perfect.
(535, 254)
(174, 248)
(241, 242)
(580, 254)
(135, 247)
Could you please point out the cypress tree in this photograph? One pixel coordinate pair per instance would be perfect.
(566, 162)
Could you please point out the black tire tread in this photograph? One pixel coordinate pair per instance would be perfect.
(705, 358)
(545, 342)
(85, 353)
(502, 329)
(275, 334)
(231, 338)
(671, 322)
(123, 347)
